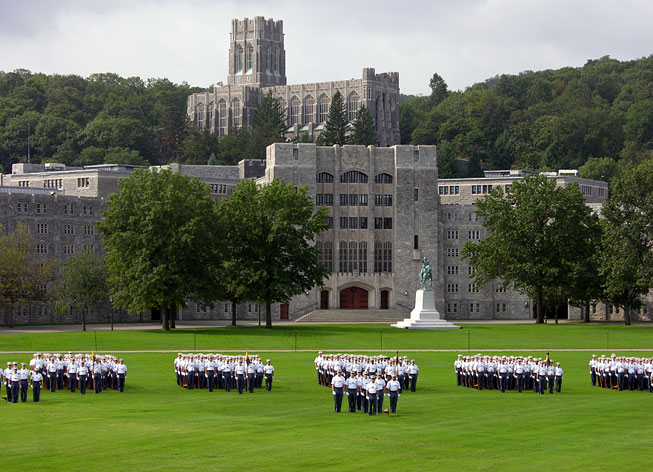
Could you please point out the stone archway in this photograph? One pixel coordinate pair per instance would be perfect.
(353, 298)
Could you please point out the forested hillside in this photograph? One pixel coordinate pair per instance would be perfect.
(544, 120)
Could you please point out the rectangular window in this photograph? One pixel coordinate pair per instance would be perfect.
(328, 199)
(343, 222)
(89, 248)
(295, 153)
(416, 155)
(353, 199)
(387, 223)
(319, 199)
(472, 288)
(452, 270)
(42, 228)
(343, 199)
(415, 242)
(387, 200)
(226, 308)
(378, 200)
(452, 288)
(452, 252)
(330, 221)
(363, 222)
(457, 189)
(440, 190)
(363, 200)
(353, 222)
(378, 223)
(82, 182)
(471, 270)
(68, 249)
(68, 229)
(416, 194)
(41, 248)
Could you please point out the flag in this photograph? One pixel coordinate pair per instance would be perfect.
(547, 357)
(246, 357)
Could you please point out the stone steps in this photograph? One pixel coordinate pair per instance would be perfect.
(351, 316)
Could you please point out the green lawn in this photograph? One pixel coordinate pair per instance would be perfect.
(155, 425)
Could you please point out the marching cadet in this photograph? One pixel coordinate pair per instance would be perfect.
(503, 376)
(52, 374)
(558, 377)
(519, 375)
(240, 372)
(82, 373)
(318, 368)
(15, 384)
(24, 382)
(226, 375)
(209, 372)
(59, 363)
(337, 384)
(36, 379)
(380, 389)
(251, 376)
(413, 371)
(72, 375)
(98, 384)
(371, 395)
(200, 371)
(550, 374)
(394, 391)
(259, 373)
(352, 392)
(593, 370)
(359, 386)
(190, 372)
(268, 370)
(121, 373)
(541, 377)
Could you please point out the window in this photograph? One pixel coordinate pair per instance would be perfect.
(416, 155)
(353, 177)
(352, 264)
(387, 200)
(586, 190)
(474, 234)
(89, 248)
(89, 229)
(82, 182)
(42, 228)
(328, 199)
(322, 108)
(474, 307)
(353, 222)
(452, 252)
(382, 257)
(222, 117)
(236, 112)
(309, 109)
(387, 223)
(201, 308)
(353, 199)
(471, 270)
(218, 188)
(342, 251)
(329, 221)
(500, 289)
(250, 57)
(362, 257)
(227, 308)
(239, 58)
(472, 288)
(23, 183)
(378, 223)
(68, 229)
(42, 208)
(68, 249)
(325, 255)
(362, 200)
(452, 270)
(415, 242)
(344, 221)
(344, 200)
(501, 307)
(383, 178)
(378, 200)
(452, 288)
(352, 106)
(363, 222)
(416, 194)
(319, 199)
(88, 210)
(601, 192)
(452, 234)
(295, 154)
(41, 248)
(275, 63)
(295, 107)
(452, 307)
(324, 177)
(21, 207)
(68, 209)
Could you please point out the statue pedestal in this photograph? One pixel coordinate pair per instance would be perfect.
(424, 315)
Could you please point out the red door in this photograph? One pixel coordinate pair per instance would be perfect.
(324, 300)
(353, 298)
(283, 311)
(384, 299)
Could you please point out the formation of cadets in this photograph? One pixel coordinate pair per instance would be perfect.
(70, 372)
(217, 371)
(366, 380)
(622, 373)
(508, 373)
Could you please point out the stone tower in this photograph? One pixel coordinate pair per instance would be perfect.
(257, 56)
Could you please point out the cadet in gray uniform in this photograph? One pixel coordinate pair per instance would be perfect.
(37, 378)
(337, 384)
(121, 372)
(394, 390)
(352, 393)
(268, 370)
(24, 383)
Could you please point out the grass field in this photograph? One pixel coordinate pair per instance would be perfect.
(155, 425)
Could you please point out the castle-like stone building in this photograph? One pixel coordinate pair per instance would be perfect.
(257, 66)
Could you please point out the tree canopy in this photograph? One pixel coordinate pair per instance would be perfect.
(363, 129)
(159, 236)
(335, 131)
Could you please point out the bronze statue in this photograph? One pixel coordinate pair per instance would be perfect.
(425, 274)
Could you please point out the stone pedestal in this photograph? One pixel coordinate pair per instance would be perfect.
(424, 315)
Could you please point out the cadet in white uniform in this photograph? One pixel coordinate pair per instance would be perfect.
(36, 379)
(371, 395)
(394, 390)
(24, 383)
(337, 384)
(121, 372)
(268, 370)
(352, 392)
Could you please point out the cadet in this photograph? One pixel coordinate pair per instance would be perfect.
(337, 384)
(97, 377)
(209, 371)
(72, 375)
(394, 390)
(37, 378)
(121, 372)
(251, 376)
(352, 392)
(259, 373)
(412, 374)
(268, 370)
(371, 395)
(558, 377)
(380, 389)
(15, 384)
(82, 372)
(24, 379)
(240, 371)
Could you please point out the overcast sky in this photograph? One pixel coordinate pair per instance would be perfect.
(465, 41)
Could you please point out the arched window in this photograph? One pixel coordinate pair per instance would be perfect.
(352, 264)
(387, 257)
(295, 107)
(309, 109)
(342, 250)
(211, 116)
(382, 256)
(222, 118)
(322, 108)
(353, 177)
(275, 62)
(283, 108)
(352, 106)
(325, 254)
(250, 57)
(199, 113)
(362, 257)
(239, 58)
(266, 59)
(383, 178)
(236, 112)
(324, 177)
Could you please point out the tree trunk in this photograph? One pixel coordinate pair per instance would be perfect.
(173, 313)
(233, 313)
(540, 306)
(84, 311)
(627, 313)
(587, 311)
(268, 313)
(164, 318)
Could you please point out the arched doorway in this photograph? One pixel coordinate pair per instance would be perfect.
(385, 295)
(353, 298)
(324, 300)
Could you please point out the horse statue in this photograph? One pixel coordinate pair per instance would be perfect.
(425, 274)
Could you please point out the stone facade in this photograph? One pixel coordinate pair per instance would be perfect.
(257, 65)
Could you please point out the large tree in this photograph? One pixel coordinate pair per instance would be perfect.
(627, 255)
(82, 285)
(268, 126)
(439, 89)
(275, 225)
(23, 275)
(159, 235)
(535, 231)
(363, 130)
(335, 131)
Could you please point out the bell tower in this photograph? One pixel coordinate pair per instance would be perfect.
(257, 56)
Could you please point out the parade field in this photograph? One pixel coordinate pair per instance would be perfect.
(156, 425)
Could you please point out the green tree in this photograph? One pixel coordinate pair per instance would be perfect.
(274, 227)
(159, 236)
(598, 168)
(534, 234)
(268, 126)
(446, 161)
(82, 285)
(363, 128)
(627, 255)
(439, 90)
(335, 131)
(233, 146)
(198, 147)
(23, 275)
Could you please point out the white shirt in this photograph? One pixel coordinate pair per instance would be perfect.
(393, 386)
(121, 369)
(268, 369)
(338, 381)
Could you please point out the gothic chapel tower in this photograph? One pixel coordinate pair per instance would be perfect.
(256, 53)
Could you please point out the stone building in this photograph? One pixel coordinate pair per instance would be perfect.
(257, 66)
